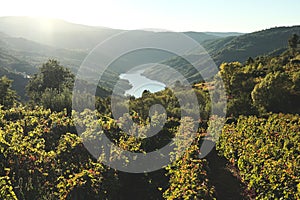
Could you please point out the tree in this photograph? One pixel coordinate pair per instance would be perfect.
(146, 93)
(296, 81)
(272, 93)
(7, 95)
(293, 43)
(57, 101)
(249, 61)
(239, 82)
(51, 86)
(227, 72)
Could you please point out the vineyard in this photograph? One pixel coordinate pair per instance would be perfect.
(73, 144)
(266, 153)
(42, 157)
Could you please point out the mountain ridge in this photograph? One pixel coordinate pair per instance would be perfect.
(22, 54)
(248, 45)
(63, 34)
(271, 41)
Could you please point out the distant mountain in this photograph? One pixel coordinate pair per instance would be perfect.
(233, 48)
(62, 34)
(224, 34)
(201, 37)
(27, 42)
(32, 54)
(34, 40)
(240, 48)
(54, 32)
(13, 63)
(20, 80)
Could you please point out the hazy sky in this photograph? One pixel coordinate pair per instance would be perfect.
(177, 15)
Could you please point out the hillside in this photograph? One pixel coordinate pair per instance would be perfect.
(62, 34)
(234, 136)
(26, 43)
(242, 47)
(23, 56)
(34, 53)
(19, 83)
(13, 63)
(224, 34)
(233, 48)
(53, 32)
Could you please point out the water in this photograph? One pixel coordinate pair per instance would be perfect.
(140, 83)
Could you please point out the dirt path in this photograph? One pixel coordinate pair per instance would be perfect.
(137, 186)
(227, 186)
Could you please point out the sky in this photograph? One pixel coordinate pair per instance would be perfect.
(175, 15)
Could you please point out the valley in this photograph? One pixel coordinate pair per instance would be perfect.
(219, 123)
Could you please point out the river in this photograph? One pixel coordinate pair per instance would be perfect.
(140, 83)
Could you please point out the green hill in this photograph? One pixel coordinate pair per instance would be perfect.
(32, 41)
(28, 42)
(54, 32)
(20, 80)
(240, 48)
(233, 48)
(62, 34)
(13, 63)
(34, 54)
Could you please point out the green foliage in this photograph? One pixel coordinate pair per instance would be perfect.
(6, 189)
(19, 81)
(51, 86)
(240, 48)
(41, 159)
(52, 76)
(7, 95)
(83, 185)
(266, 153)
(169, 100)
(239, 82)
(296, 81)
(293, 43)
(266, 84)
(272, 92)
(227, 72)
(57, 101)
(188, 176)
